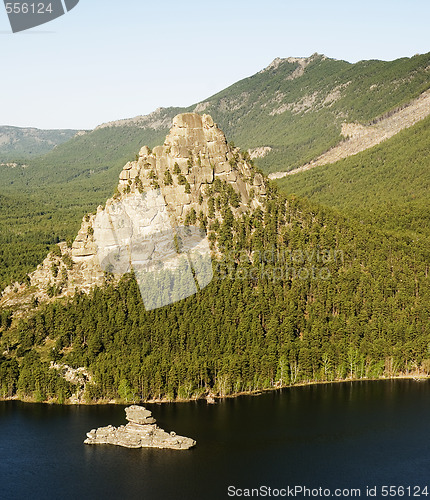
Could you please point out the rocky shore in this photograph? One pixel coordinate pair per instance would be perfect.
(140, 432)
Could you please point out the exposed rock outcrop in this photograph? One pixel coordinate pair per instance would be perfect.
(139, 415)
(194, 155)
(259, 152)
(302, 63)
(140, 432)
(80, 377)
(186, 172)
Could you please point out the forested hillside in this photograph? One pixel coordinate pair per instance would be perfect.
(299, 113)
(387, 186)
(301, 294)
(32, 221)
(295, 106)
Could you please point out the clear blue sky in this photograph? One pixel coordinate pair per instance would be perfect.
(109, 59)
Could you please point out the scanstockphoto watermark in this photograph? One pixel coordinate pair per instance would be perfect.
(24, 15)
(297, 491)
(279, 264)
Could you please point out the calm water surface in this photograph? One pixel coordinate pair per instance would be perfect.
(349, 435)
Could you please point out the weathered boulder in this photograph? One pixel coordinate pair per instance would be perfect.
(139, 415)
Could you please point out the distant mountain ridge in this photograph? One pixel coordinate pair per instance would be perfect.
(294, 108)
(159, 119)
(22, 143)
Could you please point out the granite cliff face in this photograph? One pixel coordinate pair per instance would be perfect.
(194, 157)
(195, 154)
(140, 432)
(187, 172)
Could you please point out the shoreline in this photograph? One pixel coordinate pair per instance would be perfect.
(212, 398)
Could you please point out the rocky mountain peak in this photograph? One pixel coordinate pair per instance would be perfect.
(194, 156)
(194, 179)
(301, 62)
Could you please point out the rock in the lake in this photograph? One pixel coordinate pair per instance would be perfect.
(140, 432)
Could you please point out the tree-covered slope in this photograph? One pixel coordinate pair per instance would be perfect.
(300, 295)
(31, 223)
(387, 186)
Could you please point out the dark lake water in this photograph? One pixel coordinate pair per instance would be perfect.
(349, 435)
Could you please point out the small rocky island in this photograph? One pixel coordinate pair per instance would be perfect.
(140, 432)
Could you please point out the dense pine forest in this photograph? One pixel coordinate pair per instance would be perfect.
(301, 294)
(32, 222)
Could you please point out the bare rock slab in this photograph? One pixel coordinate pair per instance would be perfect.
(140, 432)
(139, 415)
